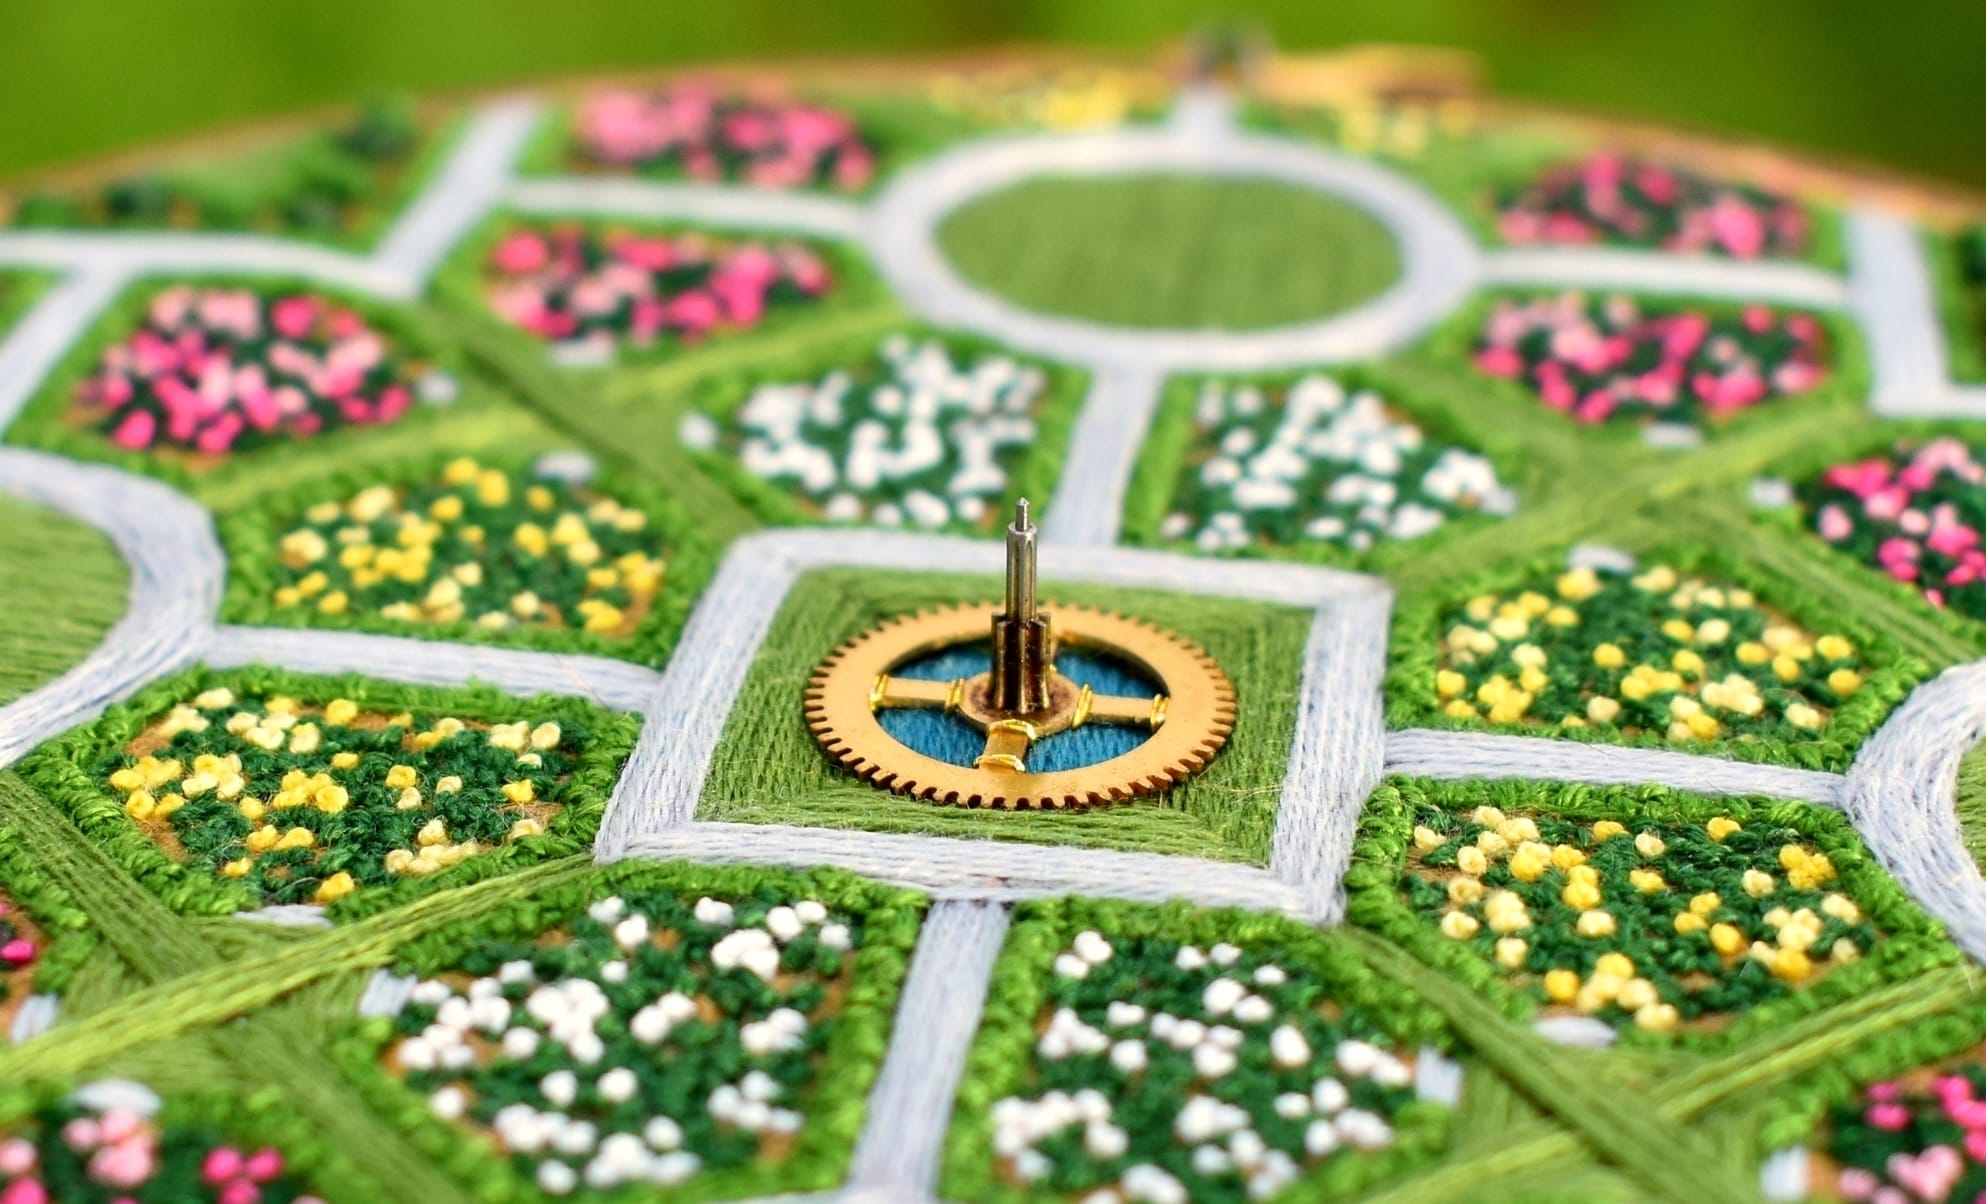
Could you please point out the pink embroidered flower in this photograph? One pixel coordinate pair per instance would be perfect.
(1607, 359)
(1917, 514)
(217, 370)
(599, 290)
(693, 129)
(1609, 197)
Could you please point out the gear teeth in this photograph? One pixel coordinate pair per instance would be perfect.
(848, 738)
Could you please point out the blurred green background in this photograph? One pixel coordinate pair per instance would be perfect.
(1900, 85)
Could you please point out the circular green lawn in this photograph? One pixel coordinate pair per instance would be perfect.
(1171, 250)
(63, 585)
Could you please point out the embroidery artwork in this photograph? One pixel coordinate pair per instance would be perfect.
(1275, 629)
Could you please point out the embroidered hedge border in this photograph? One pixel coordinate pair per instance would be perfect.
(817, 1160)
(1420, 626)
(343, 185)
(1319, 970)
(1910, 942)
(1159, 479)
(47, 421)
(1958, 273)
(1226, 812)
(251, 538)
(63, 770)
(19, 293)
(1031, 471)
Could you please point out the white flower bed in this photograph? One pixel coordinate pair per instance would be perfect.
(584, 1055)
(1122, 1042)
(1319, 465)
(916, 439)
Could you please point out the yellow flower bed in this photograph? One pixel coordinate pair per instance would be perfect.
(478, 545)
(1657, 652)
(1655, 925)
(306, 804)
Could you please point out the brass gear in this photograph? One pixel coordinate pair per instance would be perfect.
(1189, 722)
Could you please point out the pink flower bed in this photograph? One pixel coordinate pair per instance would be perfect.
(1906, 1141)
(1612, 198)
(1916, 514)
(72, 1155)
(218, 370)
(695, 130)
(1602, 360)
(571, 285)
(17, 948)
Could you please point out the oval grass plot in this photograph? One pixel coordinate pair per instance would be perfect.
(65, 587)
(1168, 250)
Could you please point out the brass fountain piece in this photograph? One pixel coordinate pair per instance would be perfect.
(1021, 699)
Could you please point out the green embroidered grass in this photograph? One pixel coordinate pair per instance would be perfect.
(65, 586)
(260, 788)
(768, 768)
(1171, 250)
(1173, 1053)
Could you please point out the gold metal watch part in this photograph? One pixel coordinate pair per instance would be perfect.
(1188, 720)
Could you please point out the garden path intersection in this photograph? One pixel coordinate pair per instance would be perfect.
(1899, 793)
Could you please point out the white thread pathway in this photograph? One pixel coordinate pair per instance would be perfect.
(1785, 283)
(1900, 796)
(1893, 300)
(478, 170)
(1438, 259)
(176, 576)
(902, 1144)
(1103, 453)
(1460, 755)
(37, 344)
(616, 685)
(711, 204)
